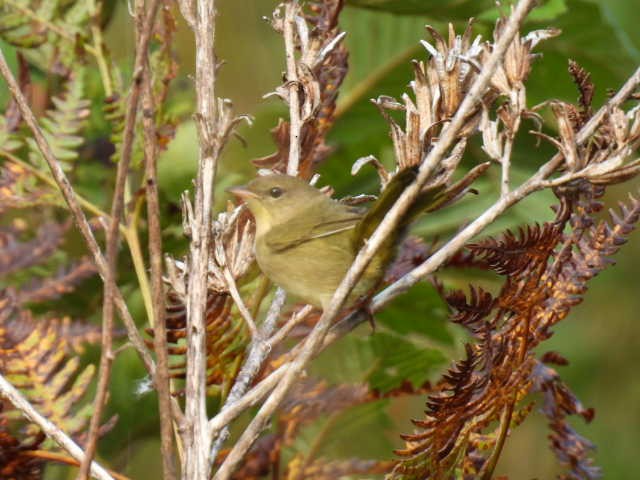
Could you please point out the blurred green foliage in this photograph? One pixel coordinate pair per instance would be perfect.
(601, 338)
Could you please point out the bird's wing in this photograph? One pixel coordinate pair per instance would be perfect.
(307, 227)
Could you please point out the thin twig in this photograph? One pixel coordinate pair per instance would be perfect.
(295, 319)
(386, 227)
(258, 351)
(144, 24)
(65, 459)
(75, 208)
(295, 123)
(536, 182)
(51, 430)
(347, 324)
(196, 435)
(157, 320)
(237, 298)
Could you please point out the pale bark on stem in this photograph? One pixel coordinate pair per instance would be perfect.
(285, 330)
(75, 209)
(344, 326)
(518, 104)
(144, 29)
(261, 343)
(295, 123)
(155, 261)
(536, 182)
(51, 430)
(386, 227)
(258, 351)
(259, 391)
(196, 433)
(237, 298)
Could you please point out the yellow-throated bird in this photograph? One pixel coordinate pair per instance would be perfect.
(306, 241)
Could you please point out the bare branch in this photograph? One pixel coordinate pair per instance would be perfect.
(237, 298)
(258, 351)
(76, 210)
(157, 319)
(144, 29)
(315, 338)
(285, 330)
(196, 435)
(292, 9)
(49, 428)
(534, 183)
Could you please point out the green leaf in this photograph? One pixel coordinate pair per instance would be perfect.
(398, 360)
(621, 16)
(64, 125)
(420, 310)
(450, 10)
(336, 433)
(543, 13)
(606, 58)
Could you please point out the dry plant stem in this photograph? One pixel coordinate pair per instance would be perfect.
(9, 392)
(285, 330)
(505, 162)
(144, 29)
(390, 222)
(196, 433)
(537, 182)
(295, 127)
(65, 459)
(259, 349)
(155, 261)
(75, 208)
(253, 396)
(344, 326)
(237, 298)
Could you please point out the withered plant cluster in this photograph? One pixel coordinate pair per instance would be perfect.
(214, 327)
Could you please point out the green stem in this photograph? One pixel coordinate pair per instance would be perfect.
(86, 204)
(133, 241)
(103, 67)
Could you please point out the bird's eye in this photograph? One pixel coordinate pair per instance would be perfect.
(275, 192)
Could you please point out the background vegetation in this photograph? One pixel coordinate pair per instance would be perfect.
(600, 338)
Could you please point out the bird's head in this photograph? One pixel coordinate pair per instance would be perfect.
(276, 199)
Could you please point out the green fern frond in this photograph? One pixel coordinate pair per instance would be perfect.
(36, 361)
(25, 23)
(63, 124)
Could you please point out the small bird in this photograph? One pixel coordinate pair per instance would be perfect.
(306, 241)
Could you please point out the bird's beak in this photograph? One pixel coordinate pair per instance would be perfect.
(242, 192)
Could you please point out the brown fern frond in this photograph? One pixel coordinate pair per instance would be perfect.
(571, 449)
(16, 325)
(513, 253)
(472, 313)
(14, 464)
(585, 85)
(501, 370)
(18, 188)
(62, 282)
(225, 333)
(16, 255)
